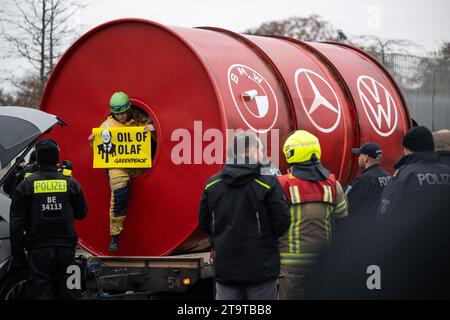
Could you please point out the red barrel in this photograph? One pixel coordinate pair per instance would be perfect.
(193, 80)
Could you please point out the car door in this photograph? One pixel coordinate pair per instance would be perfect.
(19, 129)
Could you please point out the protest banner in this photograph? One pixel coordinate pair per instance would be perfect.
(121, 147)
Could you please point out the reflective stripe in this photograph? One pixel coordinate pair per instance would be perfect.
(327, 195)
(294, 230)
(328, 222)
(291, 229)
(297, 227)
(50, 186)
(212, 183)
(298, 255)
(300, 258)
(312, 143)
(28, 174)
(263, 184)
(340, 207)
(295, 195)
(297, 262)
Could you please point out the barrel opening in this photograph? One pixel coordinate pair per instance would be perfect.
(143, 118)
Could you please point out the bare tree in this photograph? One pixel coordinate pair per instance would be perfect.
(310, 28)
(444, 51)
(37, 31)
(6, 99)
(381, 47)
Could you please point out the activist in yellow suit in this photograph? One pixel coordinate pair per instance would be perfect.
(119, 178)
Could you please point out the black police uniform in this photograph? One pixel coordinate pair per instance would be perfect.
(444, 157)
(364, 193)
(409, 245)
(417, 174)
(44, 206)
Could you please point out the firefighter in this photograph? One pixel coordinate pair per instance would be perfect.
(119, 178)
(315, 197)
(43, 210)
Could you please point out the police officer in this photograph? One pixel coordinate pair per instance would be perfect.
(315, 197)
(419, 172)
(364, 192)
(43, 210)
(405, 254)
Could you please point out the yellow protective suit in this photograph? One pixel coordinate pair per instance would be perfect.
(119, 182)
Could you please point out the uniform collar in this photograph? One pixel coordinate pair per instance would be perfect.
(416, 157)
(312, 171)
(377, 165)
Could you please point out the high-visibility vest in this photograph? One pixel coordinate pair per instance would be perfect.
(302, 191)
(295, 245)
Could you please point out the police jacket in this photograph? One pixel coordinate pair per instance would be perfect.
(406, 252)
(364, 193)
(45, 205)
(421, 179)
(244, 214)
(444, 157)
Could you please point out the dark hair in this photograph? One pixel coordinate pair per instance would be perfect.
(242, 143)
(128, 112)
(419, 139)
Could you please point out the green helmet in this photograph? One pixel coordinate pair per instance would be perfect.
(119, 102)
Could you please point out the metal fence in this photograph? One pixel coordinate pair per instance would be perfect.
(426, 84)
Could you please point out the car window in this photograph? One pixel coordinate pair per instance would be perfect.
(16, 135)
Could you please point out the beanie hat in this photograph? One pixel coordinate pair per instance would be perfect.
(47, 152)
(419, 139)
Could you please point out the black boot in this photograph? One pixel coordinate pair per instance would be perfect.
(114, 245)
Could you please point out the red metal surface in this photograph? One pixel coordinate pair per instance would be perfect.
(182, 75)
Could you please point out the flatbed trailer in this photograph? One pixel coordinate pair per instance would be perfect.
(106, 277)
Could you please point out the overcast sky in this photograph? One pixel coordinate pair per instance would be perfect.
(426, 22)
